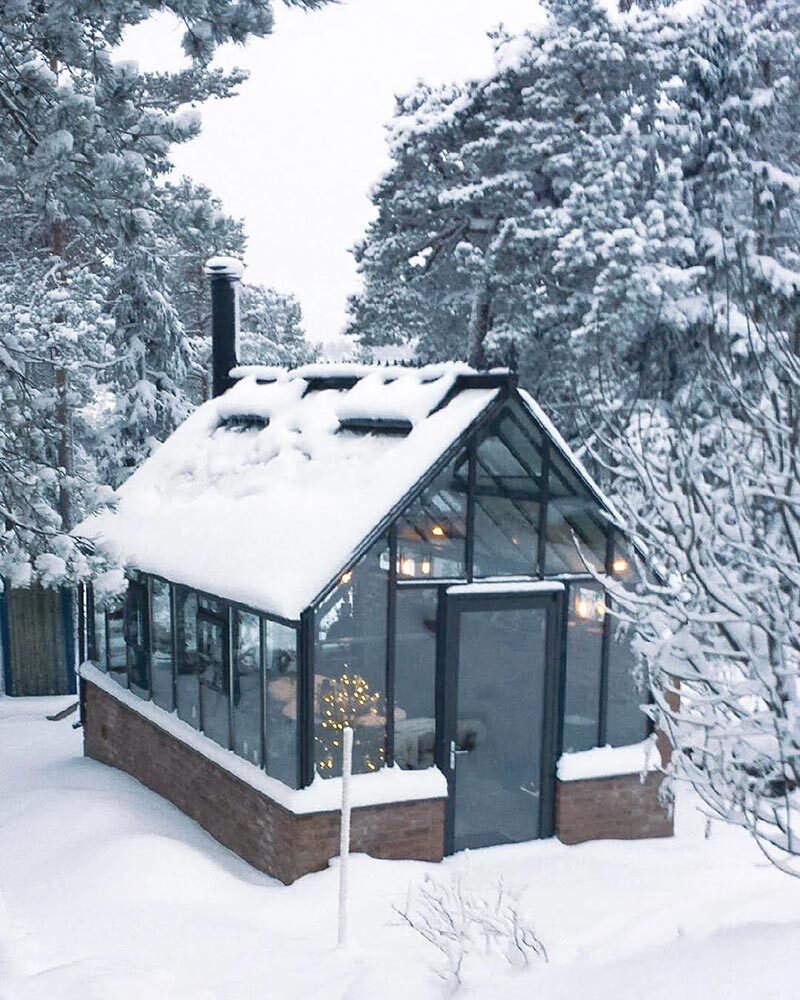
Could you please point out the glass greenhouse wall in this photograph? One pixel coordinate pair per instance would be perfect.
(506, 506)
(229, 672)
(370, 652)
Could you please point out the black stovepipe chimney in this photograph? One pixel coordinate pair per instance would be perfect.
(224, 274)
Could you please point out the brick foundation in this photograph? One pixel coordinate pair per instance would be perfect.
(272, 839)
(619, 808)
(287, 845)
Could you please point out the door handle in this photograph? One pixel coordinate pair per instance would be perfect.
(454, 753)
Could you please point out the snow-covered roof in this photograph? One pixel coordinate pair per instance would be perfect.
(263, 494)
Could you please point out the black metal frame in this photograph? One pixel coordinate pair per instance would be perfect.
(305, 706)
(447, 690)
(602, 713)
(391, 650)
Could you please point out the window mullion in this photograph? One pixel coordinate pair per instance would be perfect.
(602, 715)
(391, 630)
(262, 659)
(544, 502)
(229, 644)
(469, 543)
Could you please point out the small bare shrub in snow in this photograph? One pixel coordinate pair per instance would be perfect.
(460, 921)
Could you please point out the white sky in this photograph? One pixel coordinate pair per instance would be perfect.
(296, 152)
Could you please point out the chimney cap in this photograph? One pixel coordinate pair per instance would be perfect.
(224, 267)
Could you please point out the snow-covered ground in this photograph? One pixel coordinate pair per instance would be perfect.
(109, 893)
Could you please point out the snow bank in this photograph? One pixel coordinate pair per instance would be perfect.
(390, 784)
(268, 515)
(609, 762)
(108, 893)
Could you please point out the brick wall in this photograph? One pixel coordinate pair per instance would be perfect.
(620, 808)
(242, 818)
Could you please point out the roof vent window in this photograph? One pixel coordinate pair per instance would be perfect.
(322, 382)
(376, 425)
(244, 422)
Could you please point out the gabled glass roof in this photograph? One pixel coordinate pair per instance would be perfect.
(264, 495)
(260, 499)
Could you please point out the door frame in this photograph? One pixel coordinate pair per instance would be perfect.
(547, 595)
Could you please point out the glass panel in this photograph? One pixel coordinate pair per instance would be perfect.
(161, 644)
(627, 688)
(100, 651)
(415, 677)
(506, 536)
(247, 727)
(280, 660)
(625, 721)
(117, 651)
(136, 621)
(507, 494)
(623, 563)
(351, 666)
(187, 688)
(572, 512)
(431, 533)
(584, 657)
(500, 726)
(213, 668)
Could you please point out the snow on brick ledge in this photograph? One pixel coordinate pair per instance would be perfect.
(610, 762)
(390, 784)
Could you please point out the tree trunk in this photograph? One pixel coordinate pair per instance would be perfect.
(479, 321)
(65, 455)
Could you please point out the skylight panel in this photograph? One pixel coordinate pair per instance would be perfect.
(244, 422)
(386, 426)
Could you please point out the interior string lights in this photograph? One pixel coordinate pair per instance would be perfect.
(408, 566)
(349, 701)
(589, 605)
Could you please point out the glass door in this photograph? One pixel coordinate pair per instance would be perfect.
(501, 716)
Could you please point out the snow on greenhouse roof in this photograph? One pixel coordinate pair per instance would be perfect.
(262, 495)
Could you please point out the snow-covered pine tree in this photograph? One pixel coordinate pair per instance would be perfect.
(515, 205)
(714, 473)
(272, 328)
(53, 347)
(409, 257)
(84, 141)
(196, 226)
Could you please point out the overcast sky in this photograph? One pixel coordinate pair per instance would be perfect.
(296, 152)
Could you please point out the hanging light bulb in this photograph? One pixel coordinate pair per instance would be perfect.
(582, 607)
(346, 577)
(619, 565)
(438, 531)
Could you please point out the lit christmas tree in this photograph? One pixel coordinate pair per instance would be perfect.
(349, 701)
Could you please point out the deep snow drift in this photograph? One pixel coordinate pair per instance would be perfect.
(108, 893)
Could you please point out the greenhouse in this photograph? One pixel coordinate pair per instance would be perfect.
(413, 552)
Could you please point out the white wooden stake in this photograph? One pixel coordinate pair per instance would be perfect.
(344, 831)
